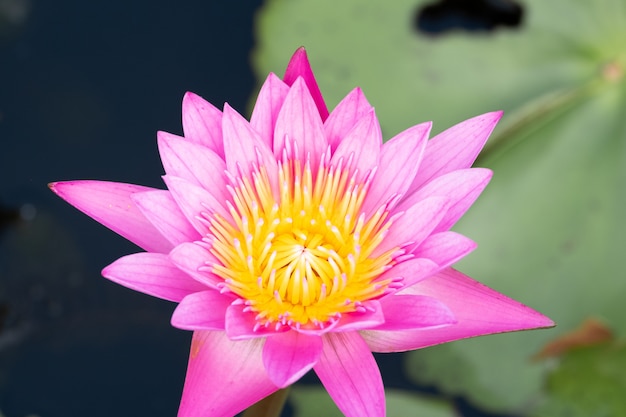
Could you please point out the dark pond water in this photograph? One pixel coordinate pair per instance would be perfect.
(84, 86)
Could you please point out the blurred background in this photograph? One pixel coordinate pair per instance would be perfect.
(84, 86)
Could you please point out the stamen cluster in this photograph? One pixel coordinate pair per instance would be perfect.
(302, 254)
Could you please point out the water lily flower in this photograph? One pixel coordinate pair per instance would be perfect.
(299, 240)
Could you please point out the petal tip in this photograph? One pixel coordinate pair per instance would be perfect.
(106, 271)
(297, 62)
(299, 66)
(544, 322)
(189, 96)
(491, 118)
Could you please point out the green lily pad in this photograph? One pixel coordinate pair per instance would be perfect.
(410, 77)
(549, 230)
(588, 382)
(551, 227)
(313, 401)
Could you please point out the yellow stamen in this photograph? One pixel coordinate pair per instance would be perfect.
(302, 255)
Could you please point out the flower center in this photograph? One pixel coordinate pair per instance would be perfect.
(304, 254)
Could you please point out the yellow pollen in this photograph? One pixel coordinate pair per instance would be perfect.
(300, 255)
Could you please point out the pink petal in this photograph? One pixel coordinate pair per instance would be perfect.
(244, 147)
(196, 261)
(268, 104)
(404, 312)
(343, 118)
(162, 211)
(195, 202)
(242, 325)
(349, 373)
(203, 310)
(299, 122)
(372, 316)
(223, 377)
(478, 309)
(288, 356)
(455, 148)
(409, 272)
(445, 248)
(399, 160)
(462, 187)
(202, 123)
(194, 163)
(109, 203)
(414, 225)
(361, 145)
(152, 274)
(299, 67)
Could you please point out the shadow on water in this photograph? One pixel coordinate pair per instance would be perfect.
(477, 16)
